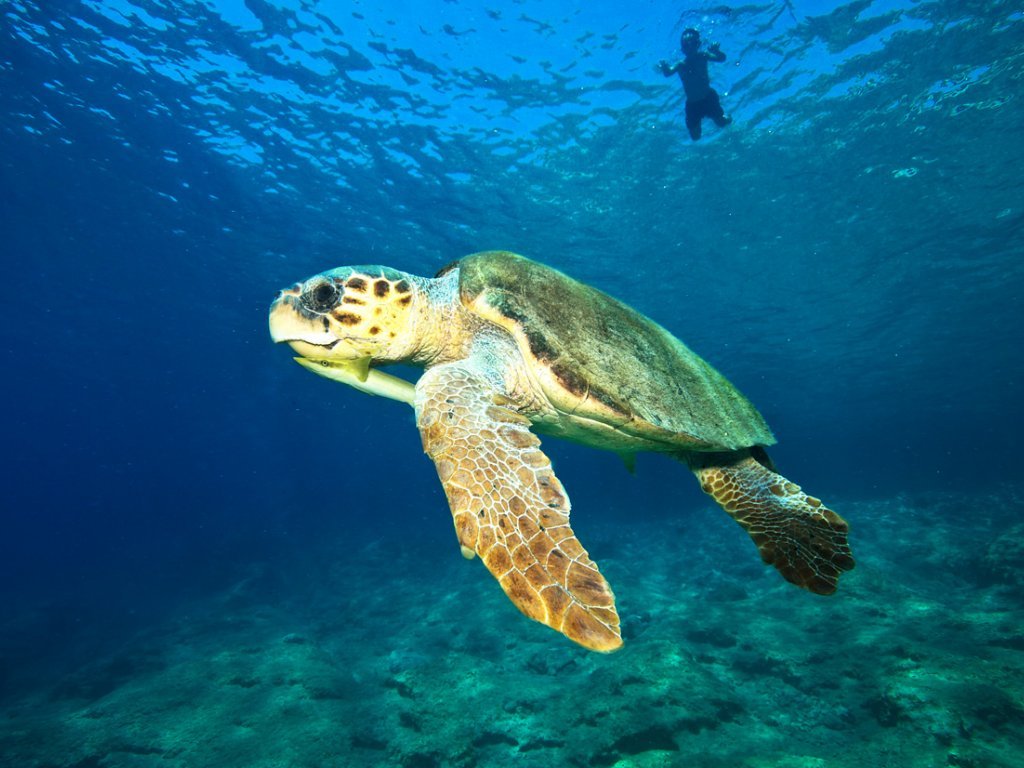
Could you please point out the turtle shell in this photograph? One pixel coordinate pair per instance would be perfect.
(598, 359)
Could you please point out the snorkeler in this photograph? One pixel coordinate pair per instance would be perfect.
(701, 99)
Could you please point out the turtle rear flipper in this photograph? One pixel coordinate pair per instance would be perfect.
(805, 540)
(509, 507)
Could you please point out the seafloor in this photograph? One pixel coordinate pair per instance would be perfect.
(412, 657)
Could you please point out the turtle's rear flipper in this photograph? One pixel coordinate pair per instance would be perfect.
(509, 507)
(794, 532)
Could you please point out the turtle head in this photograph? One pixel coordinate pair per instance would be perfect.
(349, 314)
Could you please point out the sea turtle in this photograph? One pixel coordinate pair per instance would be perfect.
(511, 347)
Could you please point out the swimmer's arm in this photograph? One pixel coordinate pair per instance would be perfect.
(715, 53)
(668, 69)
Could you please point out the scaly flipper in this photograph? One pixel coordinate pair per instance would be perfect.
(509, 507)
(794, 532)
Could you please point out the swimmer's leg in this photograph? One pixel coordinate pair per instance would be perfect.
(693, 118)
(715, 111)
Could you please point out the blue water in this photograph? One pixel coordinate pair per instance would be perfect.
(848, 252)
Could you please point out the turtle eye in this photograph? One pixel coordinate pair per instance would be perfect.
(320, 296)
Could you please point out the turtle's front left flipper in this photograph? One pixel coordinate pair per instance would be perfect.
(509, 507)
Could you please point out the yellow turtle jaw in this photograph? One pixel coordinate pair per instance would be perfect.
(290, 324)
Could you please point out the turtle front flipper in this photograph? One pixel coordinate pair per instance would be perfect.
(509, 507)
(805, 540)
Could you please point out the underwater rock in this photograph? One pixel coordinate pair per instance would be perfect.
(1004, 559)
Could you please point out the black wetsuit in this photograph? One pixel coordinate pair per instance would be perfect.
(701, 99)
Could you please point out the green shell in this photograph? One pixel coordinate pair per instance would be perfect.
(599, 359)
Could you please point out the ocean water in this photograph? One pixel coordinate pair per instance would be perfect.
(210, 557)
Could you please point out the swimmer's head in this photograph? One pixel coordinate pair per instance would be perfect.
(690, 41)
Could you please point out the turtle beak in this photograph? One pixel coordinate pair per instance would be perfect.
(295, 324)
